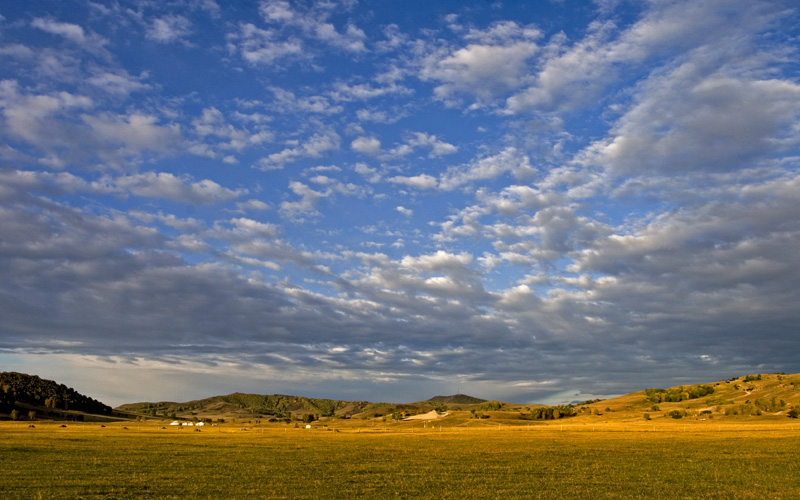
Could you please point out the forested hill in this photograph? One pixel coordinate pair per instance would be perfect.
(458, 399)
(19, 388)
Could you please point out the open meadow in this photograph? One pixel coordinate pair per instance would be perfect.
(455, 458)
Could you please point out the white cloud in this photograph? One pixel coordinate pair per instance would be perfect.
(361, 92)
(259, 46)
(169, 29)
(312, 23)
(439, 261)
(366, 145)
(379, 115)
(686, 120)
(253, 227)
(168, 186)
(32, 117)
(276, 10)
(287, 102)
(136, 132)
(88, 41)
(307, 205)
(370, 174)
(67, 30)
(422, 181)
(252, 204)
(570, 76)
(509, 160)
(417, 140)
(437, 147)
(495, 65)
(212, 123)
(119, 83)
(405, 211)
(352, 39)
(315, 147)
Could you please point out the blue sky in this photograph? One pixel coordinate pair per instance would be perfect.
(531, 201)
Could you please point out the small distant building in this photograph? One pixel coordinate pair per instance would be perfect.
(175, 422)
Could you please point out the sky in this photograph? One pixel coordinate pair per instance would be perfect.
(537, 202)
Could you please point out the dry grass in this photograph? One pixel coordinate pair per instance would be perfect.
(659, 459)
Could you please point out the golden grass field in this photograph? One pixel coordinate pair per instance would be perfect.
(451, 458)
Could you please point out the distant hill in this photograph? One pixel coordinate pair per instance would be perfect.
(758, 395)
(244, 405)
(457, 399)
(19, 391)
(281, 407)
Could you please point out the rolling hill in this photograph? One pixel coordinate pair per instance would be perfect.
(243, 405)
(758, 395)
(774, 395)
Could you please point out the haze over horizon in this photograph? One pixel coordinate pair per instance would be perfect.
(529, 201)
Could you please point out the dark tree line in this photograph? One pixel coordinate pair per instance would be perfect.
(30, 389)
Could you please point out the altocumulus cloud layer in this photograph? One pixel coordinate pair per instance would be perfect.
(542, 201)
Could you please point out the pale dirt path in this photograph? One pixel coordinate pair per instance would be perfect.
(431, 415)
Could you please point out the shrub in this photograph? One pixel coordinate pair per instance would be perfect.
(677, 394)
(552, 412)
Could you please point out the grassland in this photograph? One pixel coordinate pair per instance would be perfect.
(737, 458)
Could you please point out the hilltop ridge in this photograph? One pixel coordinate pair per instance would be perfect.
(458, 399)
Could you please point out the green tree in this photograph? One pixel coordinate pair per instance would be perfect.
(31, 415)
(14, 414)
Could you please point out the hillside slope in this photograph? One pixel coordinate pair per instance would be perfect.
(774, 394)
(22, 392)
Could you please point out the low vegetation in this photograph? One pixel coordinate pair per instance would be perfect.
(550, 413)
(278, 461)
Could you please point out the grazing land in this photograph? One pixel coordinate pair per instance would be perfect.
(737, 438)
(742, 457)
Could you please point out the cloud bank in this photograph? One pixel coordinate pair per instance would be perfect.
(336, 200)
